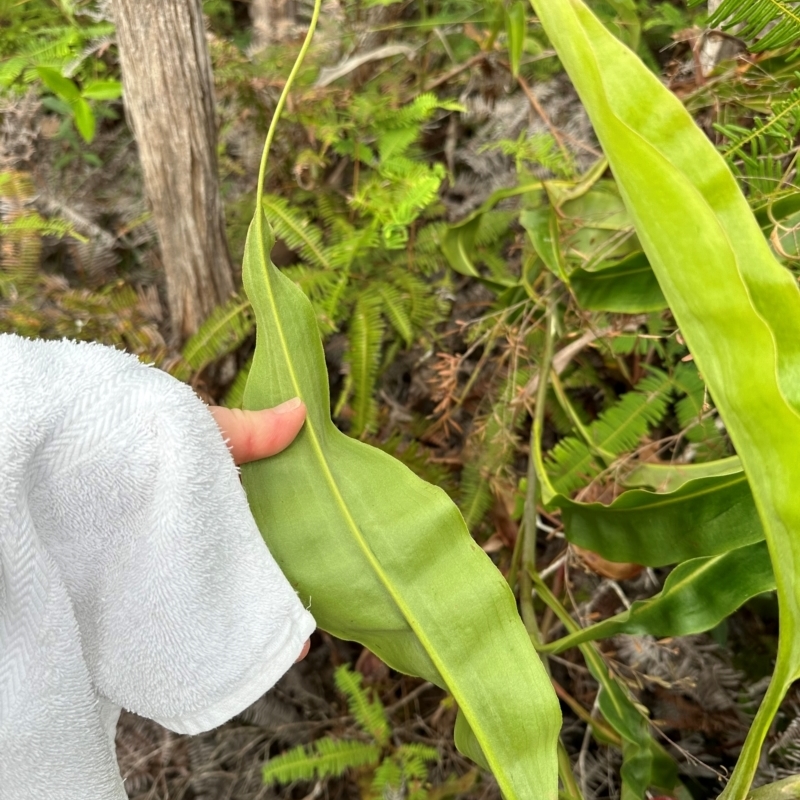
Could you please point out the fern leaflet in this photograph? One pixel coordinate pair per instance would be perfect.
(363, 356)
(572, 462)
(755, 15)
(370, 715)
(296, 231)
(221, 333)
(325, 758)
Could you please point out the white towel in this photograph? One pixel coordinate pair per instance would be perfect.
(132, 573)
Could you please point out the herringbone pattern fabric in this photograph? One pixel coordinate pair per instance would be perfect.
(131, 571)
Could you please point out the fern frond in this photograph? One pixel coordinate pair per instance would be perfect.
(493, 226)
(363, 356)
(388, 775)
(755, 15)
(297, 231)
(395, 142)
(573, 463)
(16, 185)
(395, 306)
(234, 398)
(221, 333)
(323, 759)
(427, 253)
(699, 427)
(539, 149)
(419, 110)
(353, 245)
(476, 496)
(415, 758)
(369, 714)
(423, 307)
(31, 222)
(758, 155)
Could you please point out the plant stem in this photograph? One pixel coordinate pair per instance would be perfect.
(738, 787)
(528, 529)
(262, 170)
(571, 789)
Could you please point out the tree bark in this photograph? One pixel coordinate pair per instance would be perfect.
(169, 101)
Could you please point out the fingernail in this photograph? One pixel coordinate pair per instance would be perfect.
(289, 405)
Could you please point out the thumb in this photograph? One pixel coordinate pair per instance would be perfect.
(257, 434)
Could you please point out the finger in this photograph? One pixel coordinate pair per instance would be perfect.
(257, 434)
(304, 651)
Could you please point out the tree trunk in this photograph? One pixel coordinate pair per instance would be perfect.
(272, 21)
(169, 101)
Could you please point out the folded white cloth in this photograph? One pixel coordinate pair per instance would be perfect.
(132, 573)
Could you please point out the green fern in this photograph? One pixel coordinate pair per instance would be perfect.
(369, 714)
(701, 431)
(62, 47)
(572, 463)
(405, 771)
(234, 398)
(759, 155)
(541, 150)
(363, 357)
(378, 237)
(754, 16)
(220, 334)
(297, 231)
(396, 309)
(393, 769)
(323, 759)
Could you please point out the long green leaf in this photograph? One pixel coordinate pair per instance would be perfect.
(627, 287)
(383, 558)
(696, 596)
(379, 555)
(738, 309)
(703, 517)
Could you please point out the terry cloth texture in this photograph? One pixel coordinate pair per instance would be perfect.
(132, 573)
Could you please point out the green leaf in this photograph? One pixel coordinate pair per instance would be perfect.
(541, 225)
(697, 595)
(102, 90)
(383, 558)
(738, 309)
(516, 24)
(787, 789)
(627, 287)
(644, 762)
(669, 477)
(459, 240)
(58, 84)
(704, 517)
(458, 244)
(85, 120)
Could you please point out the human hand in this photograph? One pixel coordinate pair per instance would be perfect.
(252, 435)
